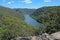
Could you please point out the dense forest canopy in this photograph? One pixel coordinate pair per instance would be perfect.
(24, 10)
(12, 24)
(49, 17)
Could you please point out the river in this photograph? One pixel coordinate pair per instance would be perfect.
(30, 21)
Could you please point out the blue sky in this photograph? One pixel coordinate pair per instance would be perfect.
(29, 3)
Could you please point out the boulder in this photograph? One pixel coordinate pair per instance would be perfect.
(21, 38)
(44, 36)
(56, 35)
(33, 37)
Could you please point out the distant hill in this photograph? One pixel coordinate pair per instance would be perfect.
(24, 10)
(48, 17)
(43, 10)
(9, 12)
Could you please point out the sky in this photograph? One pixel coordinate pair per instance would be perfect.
(29, 3)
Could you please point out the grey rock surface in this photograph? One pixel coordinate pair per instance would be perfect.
(44, 36)
(56, 35)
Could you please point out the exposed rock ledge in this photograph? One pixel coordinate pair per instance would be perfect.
(45, 36)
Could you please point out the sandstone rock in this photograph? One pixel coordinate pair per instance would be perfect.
(21, 38)
(44, 36)
(56, 35)
(33, 38)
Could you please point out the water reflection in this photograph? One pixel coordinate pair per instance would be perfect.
(29, 20)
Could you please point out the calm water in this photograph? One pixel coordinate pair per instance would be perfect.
(29, 20)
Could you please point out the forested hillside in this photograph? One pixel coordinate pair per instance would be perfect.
(12, 24)
(49, 17)
(9, 12)
(24, 10)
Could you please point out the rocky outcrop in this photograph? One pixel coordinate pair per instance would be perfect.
(22, 38)
(45, 36)
(56, 35)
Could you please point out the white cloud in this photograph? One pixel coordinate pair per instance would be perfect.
(28, 1)
(47, 0)
(10, 2)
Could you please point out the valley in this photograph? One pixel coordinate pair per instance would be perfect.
(25, 22)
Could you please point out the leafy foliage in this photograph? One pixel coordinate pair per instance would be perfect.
(49, 17)
(12, 25)
(24, 10)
